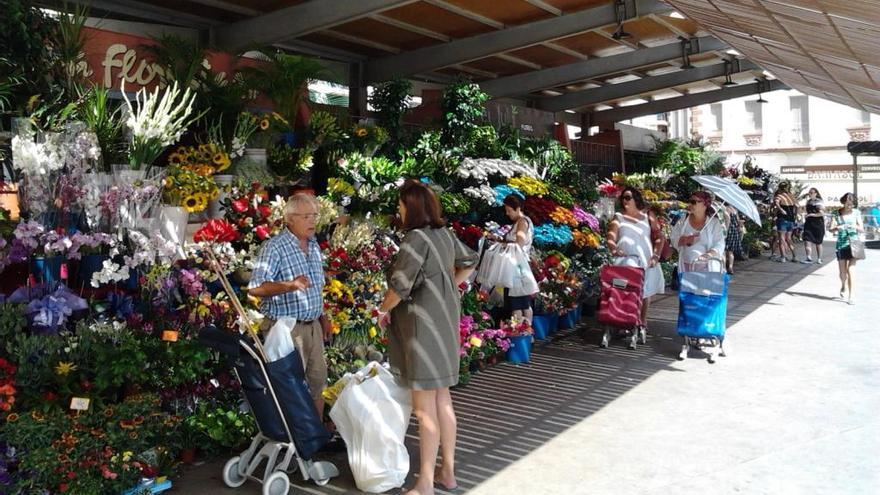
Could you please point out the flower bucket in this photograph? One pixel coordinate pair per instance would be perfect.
(520, 349)
(172, 225)
(88, 266)
(47, 270)
(215, 210)
(544, 325)
(568, 320)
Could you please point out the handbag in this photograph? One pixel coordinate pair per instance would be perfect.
(665, 247)
(857, 248)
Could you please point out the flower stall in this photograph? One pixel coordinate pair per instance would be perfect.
(104, 386)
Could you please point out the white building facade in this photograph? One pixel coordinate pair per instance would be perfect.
(798, 136)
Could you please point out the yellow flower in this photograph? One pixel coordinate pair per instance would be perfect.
(528, 186)
(203, 148)
(221, 160)
(64, 368)
(175, 159)
(191, 204)
(264, 124)
(476, 341)
(361, 132)
(373, 332)
(202, 199)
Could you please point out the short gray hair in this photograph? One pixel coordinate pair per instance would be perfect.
(298, 199)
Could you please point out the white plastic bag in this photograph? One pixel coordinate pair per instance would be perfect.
(372, 415)
(279, 342)
(523, 282)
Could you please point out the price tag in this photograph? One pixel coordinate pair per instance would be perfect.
(80, 403)
(64, 272)
(169, 335)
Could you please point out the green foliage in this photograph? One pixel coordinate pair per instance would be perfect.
(454, 203)
(482, 142)
(70, 43)
(26, 46)
(223, 428)
(391, 101)
(462, 106)
(434, 158)
(12, 324)
(284, 80)
(104, 118)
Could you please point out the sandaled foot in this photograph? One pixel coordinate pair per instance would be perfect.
(419, 490)
(445, 481)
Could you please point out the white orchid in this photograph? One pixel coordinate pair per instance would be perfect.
(483, 168)
(158, 122)
(484, 193)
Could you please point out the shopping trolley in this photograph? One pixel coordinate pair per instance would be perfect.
(702, 308)
(620, 302)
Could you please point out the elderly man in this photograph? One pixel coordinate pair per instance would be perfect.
(288, 275)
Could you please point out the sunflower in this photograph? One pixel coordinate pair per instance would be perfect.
(191, 204)
(202, 199)
(361, 132)
(12, 418)
(203, 148)
(221, 160)
(175, 159)
(264, 124)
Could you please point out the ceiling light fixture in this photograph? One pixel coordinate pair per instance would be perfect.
(685, 54)
(728, 69)
(620, 14)
(761, 83)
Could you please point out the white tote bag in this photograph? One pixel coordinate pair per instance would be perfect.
(523, 281)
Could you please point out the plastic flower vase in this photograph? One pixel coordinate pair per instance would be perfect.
(520, 349)
(47, 270)
(88, 266)
(568, 320)
(544, 325)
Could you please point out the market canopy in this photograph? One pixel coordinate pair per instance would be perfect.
(572, 57)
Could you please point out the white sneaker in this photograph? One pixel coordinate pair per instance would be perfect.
(684, 353)
(819, 261)
(782, 260)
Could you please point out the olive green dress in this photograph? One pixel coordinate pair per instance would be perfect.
(423, 335)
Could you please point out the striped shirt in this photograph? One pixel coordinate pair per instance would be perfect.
(282, 259)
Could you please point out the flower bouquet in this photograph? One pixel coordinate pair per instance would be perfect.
(189, 187)
(158, 122)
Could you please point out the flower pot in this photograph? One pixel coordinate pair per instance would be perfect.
(568, 319)
(520, 349)
(172, 225)
(47, 269)
(215, 210)
(88, 266)
(544, 325)
(187, 456)
(255, 155)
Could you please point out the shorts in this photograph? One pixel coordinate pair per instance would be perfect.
(844, 253)
(783, 225)
(308, 340)
(516, 303)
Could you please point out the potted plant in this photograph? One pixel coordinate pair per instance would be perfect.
(519, 333)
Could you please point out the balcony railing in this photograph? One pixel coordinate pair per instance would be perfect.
(596, 158)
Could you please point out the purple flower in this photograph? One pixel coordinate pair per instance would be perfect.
(191, 283)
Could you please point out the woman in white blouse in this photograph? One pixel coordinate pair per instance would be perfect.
(699, 237)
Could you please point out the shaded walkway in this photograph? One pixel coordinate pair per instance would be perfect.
(790, 411)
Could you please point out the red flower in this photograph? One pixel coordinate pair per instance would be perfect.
(539, 209)
(264, 210)
(49, 396)
(217, 231)
(240, 205)
(263, 231)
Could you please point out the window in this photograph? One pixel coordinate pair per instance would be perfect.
(754, 116)
(799, 108)
(716, 120)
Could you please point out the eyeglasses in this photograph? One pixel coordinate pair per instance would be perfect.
(307, 216)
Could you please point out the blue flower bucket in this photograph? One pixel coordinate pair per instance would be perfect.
(47, 270)
(568, 320)
(520, 349)
(544, 325)
(88, 266)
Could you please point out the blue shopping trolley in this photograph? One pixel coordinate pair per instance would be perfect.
(702, 311)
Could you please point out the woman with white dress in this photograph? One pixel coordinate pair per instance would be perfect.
(699, 237)
(629, 240)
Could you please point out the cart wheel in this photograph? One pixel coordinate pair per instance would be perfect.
(643, 335)
(606, 338)
(684, 352)
(723, 352)
(276, 484)
(322, 482)
(230, 473)
(634, 340)
(711, 357)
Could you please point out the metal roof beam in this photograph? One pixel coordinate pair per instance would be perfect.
(592, 68)
(487, 44)
(641, 86)
(691, 100)
(298, 20)
(143, 11)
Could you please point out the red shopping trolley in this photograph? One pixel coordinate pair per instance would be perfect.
(620, 303)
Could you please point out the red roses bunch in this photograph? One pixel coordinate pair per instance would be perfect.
(469, 234)
(250, 213)
(539, 209)
(7, 385)
(217, 231)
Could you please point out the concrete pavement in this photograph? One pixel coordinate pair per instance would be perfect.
(793, 408)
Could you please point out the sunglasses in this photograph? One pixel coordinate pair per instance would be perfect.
(627, 197)
(694, 201)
